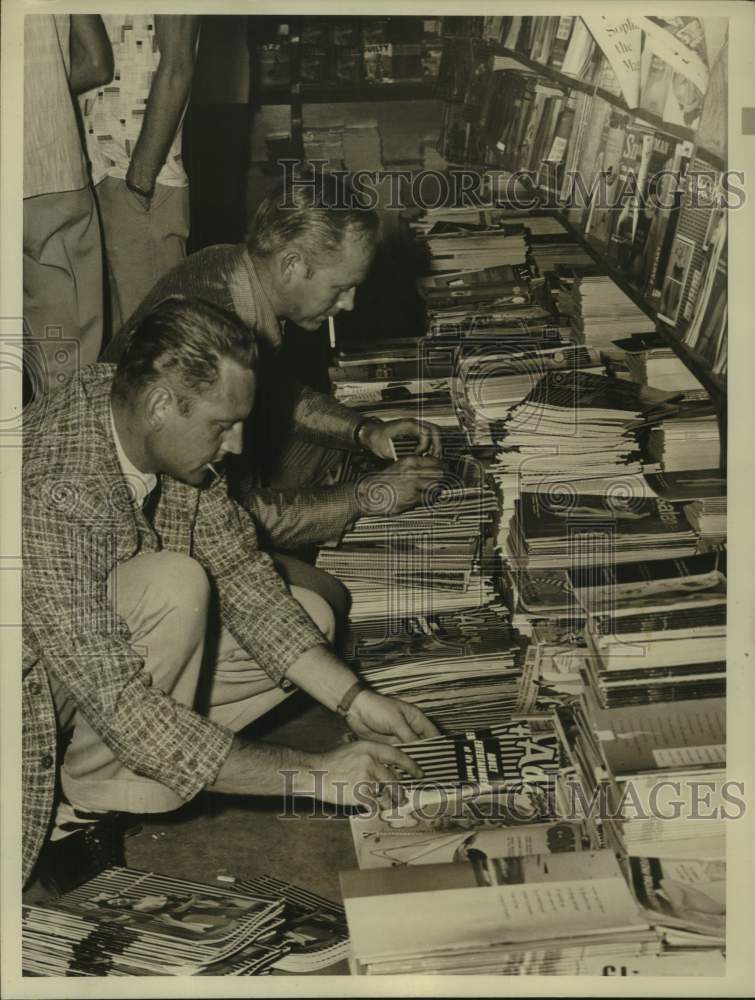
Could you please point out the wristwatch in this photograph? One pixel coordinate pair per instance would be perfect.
(344, 705)
(360, 427)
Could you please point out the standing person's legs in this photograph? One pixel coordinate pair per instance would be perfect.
(141, 244)
(63, 304)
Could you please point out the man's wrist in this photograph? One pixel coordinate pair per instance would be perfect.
(348, 698)
(359, 430)
(145, 192)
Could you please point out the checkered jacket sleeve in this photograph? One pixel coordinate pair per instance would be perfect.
(255, 603)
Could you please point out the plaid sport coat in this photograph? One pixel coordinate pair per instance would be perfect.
(79, 520)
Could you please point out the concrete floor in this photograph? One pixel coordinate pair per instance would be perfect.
(227, 835)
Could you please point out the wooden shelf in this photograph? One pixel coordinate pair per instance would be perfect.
(342, 94)
(714, 384)
(571, 83)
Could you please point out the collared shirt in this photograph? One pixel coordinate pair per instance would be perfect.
(141, 483)
(54, 160)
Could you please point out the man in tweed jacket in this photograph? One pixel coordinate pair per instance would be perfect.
(116, 602)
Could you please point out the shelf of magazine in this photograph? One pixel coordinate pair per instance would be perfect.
(568, 83)
(715, 384)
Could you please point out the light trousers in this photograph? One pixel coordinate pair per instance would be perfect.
(164, 597)
(141, 244)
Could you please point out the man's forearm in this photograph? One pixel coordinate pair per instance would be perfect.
(91, 53)
(323, 420)
(167, 100)
(321, 674)
(261, 768)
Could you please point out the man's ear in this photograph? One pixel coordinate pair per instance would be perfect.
(159, 402)
(292, 264)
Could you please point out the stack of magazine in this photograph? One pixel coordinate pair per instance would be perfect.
(600, 311)
(427, 560)
(584, 529)
(456, 690)
(490, 384)
(548, 914)
(687, 440)
(656, 630)
(131, 923)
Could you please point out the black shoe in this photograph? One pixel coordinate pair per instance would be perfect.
(67, 863)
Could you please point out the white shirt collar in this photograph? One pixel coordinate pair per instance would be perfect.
(142, 483)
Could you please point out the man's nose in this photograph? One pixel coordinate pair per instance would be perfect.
(233, 439)
(346, 300)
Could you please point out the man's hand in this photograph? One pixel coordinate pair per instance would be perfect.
(361, 771)
(372, 716)
(399, 487)
(377, 436)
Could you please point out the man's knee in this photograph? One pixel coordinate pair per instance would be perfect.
(318, 609)
(176, 580)
(339, 598)
(183, 577)
(300, 574)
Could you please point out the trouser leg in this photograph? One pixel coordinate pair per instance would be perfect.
(62, 285)
(164, 598)
(141, 244)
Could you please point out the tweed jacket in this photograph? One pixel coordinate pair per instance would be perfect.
(79, 520)
(284, 409)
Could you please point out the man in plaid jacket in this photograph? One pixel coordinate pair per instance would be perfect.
(128, 530)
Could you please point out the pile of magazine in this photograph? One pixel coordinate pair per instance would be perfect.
(459, 679)
(436, 557)
(600, 311)
(655, 630)
(491, 383)
(132, 923)
(564, 913)
(687, 440)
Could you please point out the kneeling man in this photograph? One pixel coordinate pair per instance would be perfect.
(154, 627)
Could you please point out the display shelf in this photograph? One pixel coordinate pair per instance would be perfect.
(572, 83)
(714, 384)
(341, 94)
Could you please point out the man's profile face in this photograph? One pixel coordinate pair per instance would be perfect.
(212, 428)
(329, 287)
